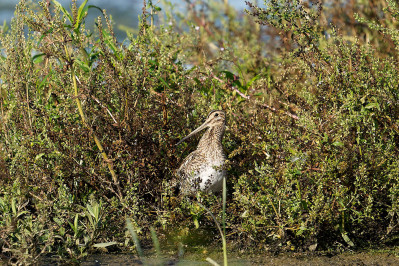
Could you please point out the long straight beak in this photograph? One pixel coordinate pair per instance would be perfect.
(198, 129)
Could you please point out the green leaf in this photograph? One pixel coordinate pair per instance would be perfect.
(22, 213)
(38, 58)
(40, 155)
(196, 223)
(252, 81)
(13, 206)
(93, 6)
(338, 144)
(82, 65)
(164, 82)
(110, 42)
(5, 27)
(82, 12)
(347, 239)
(63, 10)
(104, 245)
(75, 224)
(372, 106)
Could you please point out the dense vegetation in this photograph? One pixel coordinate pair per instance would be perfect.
(88, 126)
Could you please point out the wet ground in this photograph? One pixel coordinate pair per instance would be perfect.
(297, 260)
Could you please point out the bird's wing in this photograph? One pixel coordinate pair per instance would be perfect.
(189, 171)
(191, 165)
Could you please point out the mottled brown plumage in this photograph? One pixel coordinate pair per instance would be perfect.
(203, 168)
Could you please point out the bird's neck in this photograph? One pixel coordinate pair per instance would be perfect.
(212, 139)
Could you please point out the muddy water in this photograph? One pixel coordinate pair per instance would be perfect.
(297, 260)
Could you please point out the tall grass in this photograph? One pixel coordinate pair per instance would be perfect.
(312, 106)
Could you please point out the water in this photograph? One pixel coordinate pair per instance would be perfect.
(289, 259)
(123, 12)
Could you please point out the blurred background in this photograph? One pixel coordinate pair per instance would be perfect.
(124, 12)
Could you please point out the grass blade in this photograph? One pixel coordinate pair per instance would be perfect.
(133, 233)
(224, 223)
(155, 241)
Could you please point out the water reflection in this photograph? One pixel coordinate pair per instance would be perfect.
(123, 12)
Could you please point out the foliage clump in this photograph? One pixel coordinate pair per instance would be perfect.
(88, 126)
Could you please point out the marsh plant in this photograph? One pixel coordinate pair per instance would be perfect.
(89, 126)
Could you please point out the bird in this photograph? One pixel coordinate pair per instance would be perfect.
(203, 168)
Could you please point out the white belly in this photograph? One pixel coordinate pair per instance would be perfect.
(209, 179)
(202, 172)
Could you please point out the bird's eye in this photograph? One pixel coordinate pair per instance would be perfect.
(216, 114)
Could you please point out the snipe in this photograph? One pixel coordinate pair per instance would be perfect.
(203, 168)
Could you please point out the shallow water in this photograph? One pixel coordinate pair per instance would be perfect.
(286, 259)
